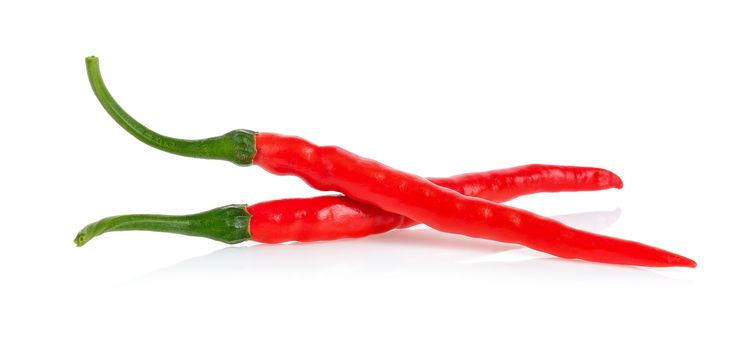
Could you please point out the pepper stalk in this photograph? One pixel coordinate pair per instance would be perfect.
(237, 146)
(228, 224)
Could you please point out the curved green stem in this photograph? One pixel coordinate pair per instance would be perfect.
(229, 224)
(237, 146)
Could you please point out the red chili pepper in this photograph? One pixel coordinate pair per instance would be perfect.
(506, 184)
(335, 217)
(335, 169)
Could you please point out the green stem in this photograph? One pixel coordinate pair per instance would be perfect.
(229, 224)
(237, 146)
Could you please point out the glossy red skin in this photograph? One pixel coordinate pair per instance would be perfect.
(321, 218)
(336, 217)
(331, 168)
(506, 184)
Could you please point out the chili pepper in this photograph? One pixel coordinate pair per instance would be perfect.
(506, 184)
(331, 168)
(334, 217)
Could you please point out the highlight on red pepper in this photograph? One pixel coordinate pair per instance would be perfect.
(335, 217)
(330, 168)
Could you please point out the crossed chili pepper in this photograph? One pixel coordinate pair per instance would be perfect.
(377, 198)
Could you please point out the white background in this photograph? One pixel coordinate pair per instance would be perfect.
(652, 90)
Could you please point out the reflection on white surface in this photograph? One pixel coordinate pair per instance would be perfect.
(593, 221)
(417, 252)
